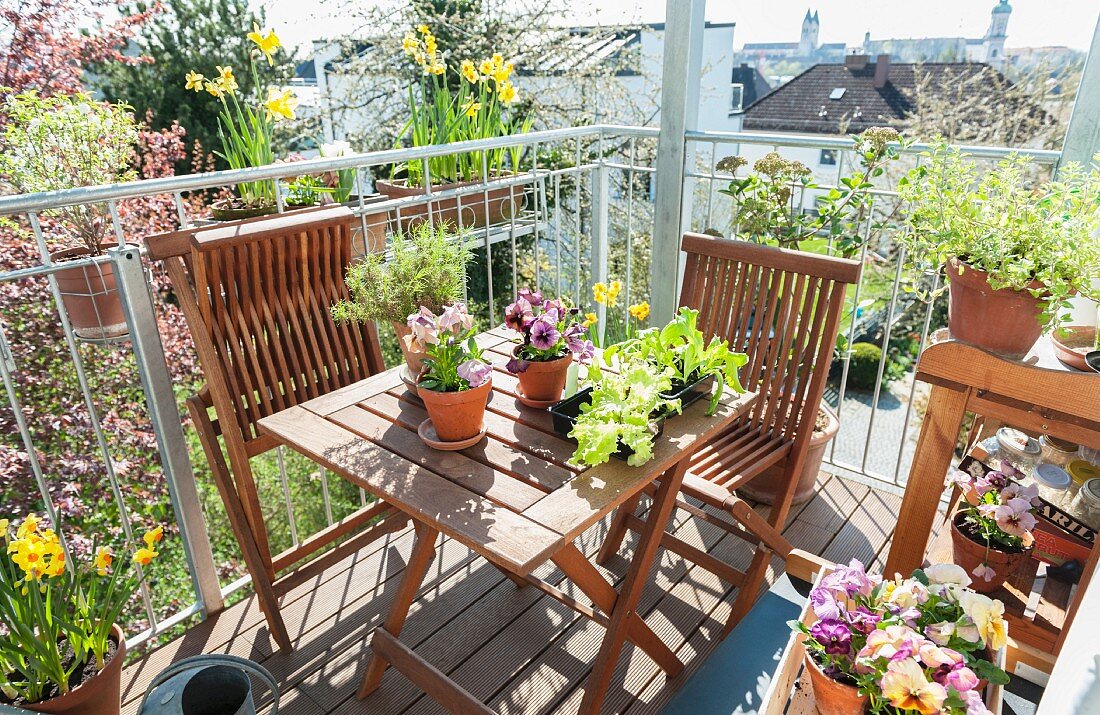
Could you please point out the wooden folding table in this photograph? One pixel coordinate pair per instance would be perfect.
(513, 498)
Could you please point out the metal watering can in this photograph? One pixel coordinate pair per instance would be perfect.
(207, 685)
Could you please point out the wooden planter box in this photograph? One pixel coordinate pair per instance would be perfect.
(790, 692)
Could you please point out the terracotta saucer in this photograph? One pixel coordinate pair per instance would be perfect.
(426, 430)
(409, 379)
(537, 404)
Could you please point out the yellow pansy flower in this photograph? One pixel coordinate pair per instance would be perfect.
(507, 92)
(194, 81)
(102, 561)
(590, 319)
(468, 71)
(153, 536)
(640, 311)
(280, 104)
(471, 108)
(144, 556)
(29, 526)
(267, 43)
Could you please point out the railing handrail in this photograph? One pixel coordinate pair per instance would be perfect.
(810, 141)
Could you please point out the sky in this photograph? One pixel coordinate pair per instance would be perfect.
(1033, 23)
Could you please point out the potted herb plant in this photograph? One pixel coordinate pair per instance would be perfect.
(65, 142)
(921, 644)
(991, 531)
(455, 381)
(425, 268)
(551, 336)
(306, 191)
(245, 127)
(62, 650)
(478, 104)
(1014, 249)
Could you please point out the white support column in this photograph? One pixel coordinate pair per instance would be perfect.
(680, 77)
(600, 185)
(1083, 134)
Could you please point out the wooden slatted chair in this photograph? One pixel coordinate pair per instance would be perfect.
(783, 309)
(256, 297)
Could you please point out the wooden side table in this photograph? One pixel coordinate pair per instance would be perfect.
(1038, 395)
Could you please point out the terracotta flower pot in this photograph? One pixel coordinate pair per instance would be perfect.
(764, 487)
(1004, 321)
(457, 415)
(970, 554)
(90, 296)
(413, 358)
(544, 381)
(98, 696)
(478, 208)
(832, 697)
(224, 210)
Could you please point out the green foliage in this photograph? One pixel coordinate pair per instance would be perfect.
(863, 366)
(306, 191)
(1003, 223)
(183, 35)
(426, 269)
(767, 203)
(621, 412)
(680, 350)
(65, 142)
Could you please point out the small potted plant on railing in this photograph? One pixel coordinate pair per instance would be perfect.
(62, 650)
(426, 268)
(66, 142)
(922, 644)
(551, 337)
(991, 530)
(245, 127)
(455, 382)
(1014, 250)
(479, 104)
(306, 191)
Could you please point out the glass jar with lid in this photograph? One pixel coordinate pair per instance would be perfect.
(1057, 451)
(1090, 455)
(1054, 485)
(1018, 449)
(1086, 504)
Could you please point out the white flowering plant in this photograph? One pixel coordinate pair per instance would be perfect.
(66, 142)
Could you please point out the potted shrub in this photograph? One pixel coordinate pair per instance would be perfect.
(426, 268)
(245, 127)
(66, 142)
(476, 104)
(62, 650)
(455, 381)
(1014, 250)
(551, 337)
(991, 533)
(921, 644)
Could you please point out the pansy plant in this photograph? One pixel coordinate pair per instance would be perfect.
(911, 645)
(548, 329)
(453, 361)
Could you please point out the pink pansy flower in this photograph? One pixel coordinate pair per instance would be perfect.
(423, 327)
(949, 667)
(984, 572)
(974, 703)
(940, 633)
(455, 319)
(475, 372)
(893, 643)
(1014, 517)
(1029, 493)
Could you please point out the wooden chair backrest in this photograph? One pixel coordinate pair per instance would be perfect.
(782, 308)
(256, 297)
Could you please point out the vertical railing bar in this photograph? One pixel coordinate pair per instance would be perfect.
(630, 176)
(281, 461)
(577, 218)
(181, 210)
(428, 193)
(848, 355)
(535, 184)
(488, 241)
(913, 387)
(556, 224)
(710, 183)
(325, 498)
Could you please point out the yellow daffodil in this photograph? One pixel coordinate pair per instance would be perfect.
(29, 526)
(281, 104)
(194, 81)
(423, 30)
(153, 536)
(56, 567)
(468, 71)
(599, 293)
(103, 558)
(486, 68)
(214, 88)
(266, 43)
(430, 45)
(502, 71)
(471, 108)
(410, 44)
(614, 289)
(498, 60)
(144, 556)
(507, 92)
(226, 81)
(436, 68)
(640, 311)
(590, 319)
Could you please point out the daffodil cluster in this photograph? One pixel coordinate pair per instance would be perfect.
(245, 130)
(472, 108)
(52, 609)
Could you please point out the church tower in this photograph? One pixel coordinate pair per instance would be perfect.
(808, 43)
(994, 40)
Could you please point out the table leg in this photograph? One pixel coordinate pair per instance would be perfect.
(617, 531)
(422, 555)
(623, 614)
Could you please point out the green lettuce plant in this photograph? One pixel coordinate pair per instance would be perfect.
(1006, 224)
(680, 350)
(622, 412)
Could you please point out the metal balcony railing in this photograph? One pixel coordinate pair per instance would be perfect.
(586, 216)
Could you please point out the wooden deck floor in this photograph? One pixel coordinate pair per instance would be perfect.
(517, 650)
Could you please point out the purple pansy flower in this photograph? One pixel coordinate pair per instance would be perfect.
(544, 334)
(824, 603)
(863, 619)
(517, 365)
(834, 635)
(476, 372)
